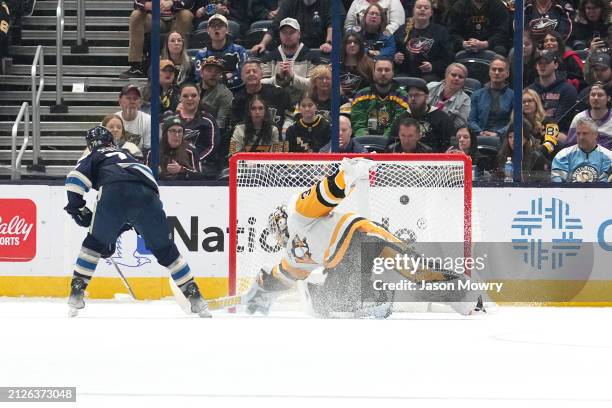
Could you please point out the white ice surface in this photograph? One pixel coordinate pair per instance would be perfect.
(149, 354)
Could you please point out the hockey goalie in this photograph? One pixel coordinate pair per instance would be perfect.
(314, 233)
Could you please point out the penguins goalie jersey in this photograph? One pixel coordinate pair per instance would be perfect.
(318, 235)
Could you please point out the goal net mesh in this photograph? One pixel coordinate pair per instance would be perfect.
(419, 198)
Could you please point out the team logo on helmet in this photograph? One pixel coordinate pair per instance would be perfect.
(99, 137)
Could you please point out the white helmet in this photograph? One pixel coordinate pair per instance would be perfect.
(277, 223)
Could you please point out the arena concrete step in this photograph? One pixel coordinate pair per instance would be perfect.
(72, 35)
(51, 126)
(75, 70)
(108, 82)
(90, 5)
(46, 155)
(63, 141)
(51, 171)
(76, 110)
(49, 51)
(50, 96)
(90, 21)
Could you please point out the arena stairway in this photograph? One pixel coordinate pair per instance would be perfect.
(62, 134)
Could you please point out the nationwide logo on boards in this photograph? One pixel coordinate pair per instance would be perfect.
(540, 218)
(17, 230)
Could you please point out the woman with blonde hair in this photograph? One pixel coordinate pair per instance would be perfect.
(174, 50)
(321, 89)
(449, 96)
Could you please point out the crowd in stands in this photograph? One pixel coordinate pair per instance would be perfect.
(415, 76)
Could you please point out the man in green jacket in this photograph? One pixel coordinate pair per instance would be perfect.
(375, 108)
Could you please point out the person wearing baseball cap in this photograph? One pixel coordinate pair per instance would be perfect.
(290, 22)
(216, 98)
(222, 47)
(312, 18)
(137, 123)
(558, 96)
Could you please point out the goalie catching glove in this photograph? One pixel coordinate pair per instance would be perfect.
(356, 169)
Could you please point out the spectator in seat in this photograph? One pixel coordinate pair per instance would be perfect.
(393, 12)
(542, 16)
(584, 162)
(174, 50)
(4, 30)
(435, 126)
(423, 47)
(264, 10)
(534, 166)
(375, 108)
(314, 16)
(178, 159)
(558, 96)
(215, 98)
(377, 43)
(491, 105)
(529, 54)
(544, 131)
(168, 92)
(321, 90)
(597, 69)
(277, 99)
(592, 22)
(258, 132)
(175, 15)
(201, 128)
(222, 47)
(476, 25)
(345, 139)
(234, 11)
(467, 143)
(291, 63)
(311, 131)
(137, 123)
(409, 137)
(600, 113)
(533, 111)
(569, 62)
(449, 96)
(355, 65)
(114, 124)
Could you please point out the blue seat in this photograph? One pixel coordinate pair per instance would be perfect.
(199, 39)
(477, 63)
(407, 82)
(471, 85)
(261, 24)
(374, 143)
(253, 37)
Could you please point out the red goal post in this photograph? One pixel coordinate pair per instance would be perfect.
(258, 182)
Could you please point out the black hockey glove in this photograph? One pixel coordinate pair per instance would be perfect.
(82, 216)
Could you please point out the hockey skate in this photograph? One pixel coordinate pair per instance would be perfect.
(75, 300)
(198, 304)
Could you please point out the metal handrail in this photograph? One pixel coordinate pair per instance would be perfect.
(16, 158)
(59, 74)
(37, 90)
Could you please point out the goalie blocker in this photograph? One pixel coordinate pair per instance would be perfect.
(312, 233)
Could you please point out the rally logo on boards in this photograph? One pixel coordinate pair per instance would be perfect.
(17, 230)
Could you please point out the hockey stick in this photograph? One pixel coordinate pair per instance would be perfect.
(213, 304)
(123, 279)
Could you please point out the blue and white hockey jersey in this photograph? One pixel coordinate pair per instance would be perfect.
(101, 167)
(574, 165)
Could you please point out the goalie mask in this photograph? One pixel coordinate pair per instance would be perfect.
(99, 137)
(277, 223)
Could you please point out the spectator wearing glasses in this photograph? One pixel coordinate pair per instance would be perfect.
(355, 65)
(177, 158)
(393, 11)
(378, 44)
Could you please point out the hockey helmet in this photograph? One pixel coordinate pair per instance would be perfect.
(99, 137)
(277, 223)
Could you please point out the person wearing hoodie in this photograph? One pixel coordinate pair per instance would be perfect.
(558, 96)
(435, 127)
(375, 108)
(310, 131)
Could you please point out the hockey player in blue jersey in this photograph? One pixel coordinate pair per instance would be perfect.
(128, 196)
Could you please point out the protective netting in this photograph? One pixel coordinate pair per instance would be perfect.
(422, 201)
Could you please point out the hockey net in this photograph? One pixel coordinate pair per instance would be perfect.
(418, 197)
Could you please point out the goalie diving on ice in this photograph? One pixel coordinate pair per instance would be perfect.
(313, 232)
